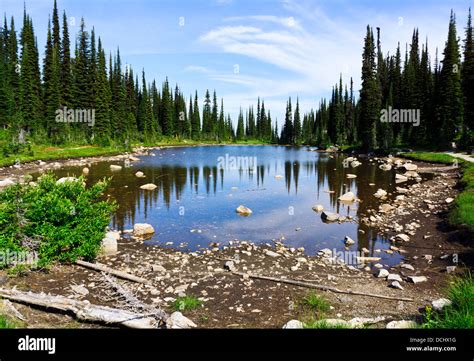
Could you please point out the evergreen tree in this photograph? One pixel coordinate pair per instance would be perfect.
(451, 102)
(468, 83)
(103, 99)
(369, 95)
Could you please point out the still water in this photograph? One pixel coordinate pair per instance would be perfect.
(199, 189)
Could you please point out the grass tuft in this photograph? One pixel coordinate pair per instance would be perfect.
(186, 303)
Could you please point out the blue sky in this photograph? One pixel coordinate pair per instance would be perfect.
(245, 49)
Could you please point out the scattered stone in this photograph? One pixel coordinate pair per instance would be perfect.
(329, 217)
(348, 197)
(230, 265)
(400, 178)
(450, 269)
(402, 237)
(383, 273)
(385, 167)
(380, 193)
(109, 245)
(410, 167)
(417, 279)
(149, 187)
(115, 168)
(318, 208)
(140, 175)
(293, 324)
(178, 321)
(351, 176)
(441, 303)
(449, 200)
(243, 211)
(85, 171)
(396, 284)
(401, 324)
(394, 277)
(386, 208)
(272, 254)
(407, 266)
(348, 241)
(158, 268)
(143, 230)
(66, 180)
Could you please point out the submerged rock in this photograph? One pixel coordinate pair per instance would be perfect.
(348, 197)
(140, 175)
(109, 245)
(243, 211)
(115, 168)
(329, 217)
(149, 187)
(348, 241)
(318, 208)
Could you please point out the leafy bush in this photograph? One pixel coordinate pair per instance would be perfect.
(61, 222)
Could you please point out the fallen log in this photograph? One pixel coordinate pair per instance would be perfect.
(320, 287)
(102, 268)
(83, 310)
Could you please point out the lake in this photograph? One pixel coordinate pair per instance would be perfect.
(199, 189)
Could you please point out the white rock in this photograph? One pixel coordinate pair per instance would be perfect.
(400, 178)
(410, 167)
(80, 289)
(318, 208)
(438, 305)
(380, 193)
(396, 284)
(272, 254)
(402, 190)
(351, 176)
(66, 180)
(383, 273)
(115, 168)
(293, 324)
(149, 187)
(140, 175)
(449, 200)
(109, 245)
(407, 266)
(355, 164)
(394, 277)
(143, 229)
(348, 197)
(6, 183)
(85, 171)
(386, 167)
(243, 211)
(402, 237)
(401, 324)
(417, 279)
(349, 241)
(329, 217)
(178, 321)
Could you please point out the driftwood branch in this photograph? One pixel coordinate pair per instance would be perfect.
(102, 268)
(320, 287)
(83, 310)
(133, 301)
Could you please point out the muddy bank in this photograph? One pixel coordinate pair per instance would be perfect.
(417, 222)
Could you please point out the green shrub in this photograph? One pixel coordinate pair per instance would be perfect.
(61, 222)
(186, 303)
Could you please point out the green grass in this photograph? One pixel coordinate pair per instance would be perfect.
(322, 324)
(5, 322)
(186, 303)
(462, 214)
(460, 314)
(431, 157)
(315, 303)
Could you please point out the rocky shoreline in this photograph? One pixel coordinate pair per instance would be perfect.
(222, 277)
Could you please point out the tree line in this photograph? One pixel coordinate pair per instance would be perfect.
(130, 108)
(443, 93)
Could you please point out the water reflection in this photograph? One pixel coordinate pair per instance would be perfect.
(195, 193)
